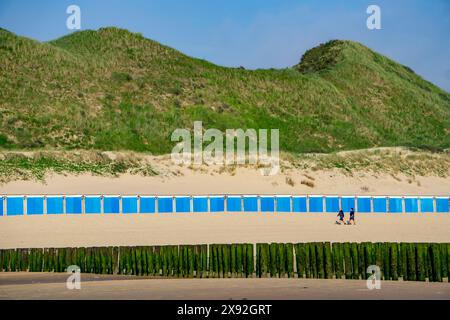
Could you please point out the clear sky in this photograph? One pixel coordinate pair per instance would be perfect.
(256, 33)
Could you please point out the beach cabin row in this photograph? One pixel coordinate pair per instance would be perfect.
(110, 204)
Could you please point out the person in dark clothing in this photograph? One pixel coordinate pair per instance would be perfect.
(341, 217)
(351, 220)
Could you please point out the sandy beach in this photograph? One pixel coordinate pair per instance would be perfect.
(207, 228)
(194, 228)
(199, 228)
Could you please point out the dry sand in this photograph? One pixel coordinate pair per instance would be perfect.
(197, 228)
(244, 181)
(52, 286)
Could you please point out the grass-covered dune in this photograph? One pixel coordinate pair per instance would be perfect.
(115, 90)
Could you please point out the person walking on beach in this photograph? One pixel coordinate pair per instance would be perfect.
(351, 220)
(341, 217)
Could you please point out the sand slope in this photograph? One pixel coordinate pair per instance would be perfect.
(248, 181)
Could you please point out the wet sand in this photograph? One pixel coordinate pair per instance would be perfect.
(52, 286)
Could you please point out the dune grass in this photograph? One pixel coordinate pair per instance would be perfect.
(37, 165)
(391, 161)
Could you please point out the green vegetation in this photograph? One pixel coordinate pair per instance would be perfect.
(15, 165)
(22, 165)
(385, 160)
(424, 261)
(115, 90)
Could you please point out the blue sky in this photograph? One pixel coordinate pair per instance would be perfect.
(256, 33)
